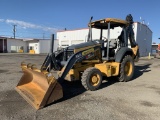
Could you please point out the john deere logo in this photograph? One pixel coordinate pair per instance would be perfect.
(88, 51)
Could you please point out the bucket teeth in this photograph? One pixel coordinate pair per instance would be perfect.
(23, 65)
(34, 68)
(29, 65)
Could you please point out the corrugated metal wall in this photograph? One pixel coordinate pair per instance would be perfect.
(144, 39)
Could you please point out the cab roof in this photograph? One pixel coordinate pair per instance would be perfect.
(103, 23)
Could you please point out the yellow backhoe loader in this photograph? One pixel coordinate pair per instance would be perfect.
(88, 62)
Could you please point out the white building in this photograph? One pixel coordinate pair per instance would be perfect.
(143, 36)
(41, 46)
(15, 45)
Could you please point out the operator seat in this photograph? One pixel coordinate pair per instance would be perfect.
(112, 47)
(113, 44)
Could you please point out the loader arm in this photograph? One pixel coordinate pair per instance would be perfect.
(77, 57)
(50, 63)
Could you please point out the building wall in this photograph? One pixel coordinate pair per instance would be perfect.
(14, 45)
(67, 38)
(15, 42)
(45, 46)
(56, 45)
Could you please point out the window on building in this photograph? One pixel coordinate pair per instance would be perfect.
(31, 48)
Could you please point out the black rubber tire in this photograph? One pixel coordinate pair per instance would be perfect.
(122, 76)
(86, 76)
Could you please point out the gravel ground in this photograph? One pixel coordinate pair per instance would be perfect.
(138, 99)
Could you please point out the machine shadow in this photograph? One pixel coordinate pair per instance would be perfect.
(140, 69)
(108, 81)
(70, 90)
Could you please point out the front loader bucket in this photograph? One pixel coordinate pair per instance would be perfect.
(38, 88)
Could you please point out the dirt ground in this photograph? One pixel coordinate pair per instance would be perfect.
(138, 99)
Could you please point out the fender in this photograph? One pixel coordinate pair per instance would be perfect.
(120, 54)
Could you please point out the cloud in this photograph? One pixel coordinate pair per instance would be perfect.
(26, 25)
(1, 20)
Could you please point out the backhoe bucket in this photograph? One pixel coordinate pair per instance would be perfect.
(38, 88)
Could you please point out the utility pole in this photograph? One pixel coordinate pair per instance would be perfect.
(43, 36)
(14, 30)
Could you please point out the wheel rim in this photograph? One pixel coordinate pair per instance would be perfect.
(128, 68)
(95, 79)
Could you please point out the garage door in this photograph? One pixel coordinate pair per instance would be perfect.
(1, 46)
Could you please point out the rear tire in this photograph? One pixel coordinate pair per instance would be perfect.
(91, 78)
(126, 69)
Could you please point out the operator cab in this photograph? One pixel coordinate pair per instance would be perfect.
(109, 46)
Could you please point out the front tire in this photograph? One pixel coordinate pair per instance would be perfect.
(126, 69)
(91, 78)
